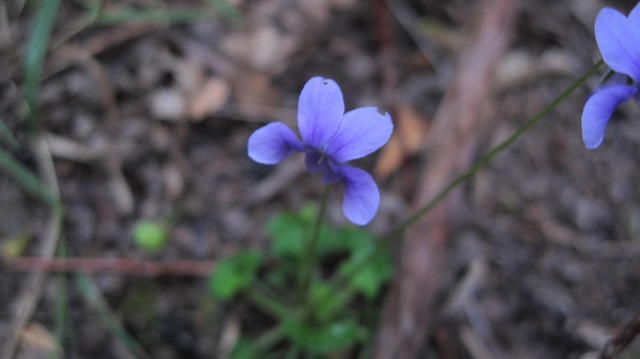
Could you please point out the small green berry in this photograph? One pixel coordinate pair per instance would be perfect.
(150, 235)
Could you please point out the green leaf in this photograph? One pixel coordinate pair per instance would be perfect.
(290, 232)
(244, 349)
(150, 235)
(281, 275)
(370, 276)
(320, 296)
(324, 339)
(234, 274)
(373, 275)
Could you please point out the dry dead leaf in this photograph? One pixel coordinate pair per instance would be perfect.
(262, 47)
(173, 180)
(256, 88)
(168, 104)
(230, 335)
(519, 67)
(445, 36)
(37, 342)
(343, 4)
(65, 148)
(516, 67)
(190, 75)
(390, 159)
(121, 192)
(211, 97)
(411, 128)
(317, 9)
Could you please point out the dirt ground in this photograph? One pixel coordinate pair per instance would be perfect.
(149, 120)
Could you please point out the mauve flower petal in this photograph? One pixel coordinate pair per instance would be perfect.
(320, 110)
(271, 143)
(618, 39)
(363, 131)
(598, 109)
(361, 196)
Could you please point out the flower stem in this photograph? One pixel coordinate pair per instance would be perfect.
(269, 339)
(268, 304)
(340, 282)
(310, 260)
(484, 160)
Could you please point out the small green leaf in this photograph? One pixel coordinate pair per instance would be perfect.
(15, 245)
(370, 276)
(234, 273)
(320, 296)
(150, 235)
(244, 349)
(324, 339)
(373, 275)
(290, 232)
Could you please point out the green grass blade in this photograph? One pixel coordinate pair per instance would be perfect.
(226, 9)
(36, 50)
(152, 16)
(25, 178)
(7, 136)
(94, 298)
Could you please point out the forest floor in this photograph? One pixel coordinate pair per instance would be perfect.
(150, 120)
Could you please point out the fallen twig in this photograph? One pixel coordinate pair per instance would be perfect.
(623, 337)
(121, 191)
(460, 118)
(125, 266)
(95, 45)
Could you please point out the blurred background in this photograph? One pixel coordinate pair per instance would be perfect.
(139, 118)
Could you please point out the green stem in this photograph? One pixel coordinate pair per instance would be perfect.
(310, 260)
(341, 281)
(484, 160)
(268, 304)
(293, 353)
(269, 339)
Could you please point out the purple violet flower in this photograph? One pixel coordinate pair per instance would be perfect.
(330, 138)
(618, 39)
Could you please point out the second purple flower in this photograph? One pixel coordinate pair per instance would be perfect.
(618, 39)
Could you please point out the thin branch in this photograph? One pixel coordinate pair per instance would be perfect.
(623, 337)
(123, 266)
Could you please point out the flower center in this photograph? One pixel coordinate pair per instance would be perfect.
(317, 161)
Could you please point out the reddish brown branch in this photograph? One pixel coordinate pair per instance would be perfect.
(461, 117)
(623, 337)
(125, 266)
